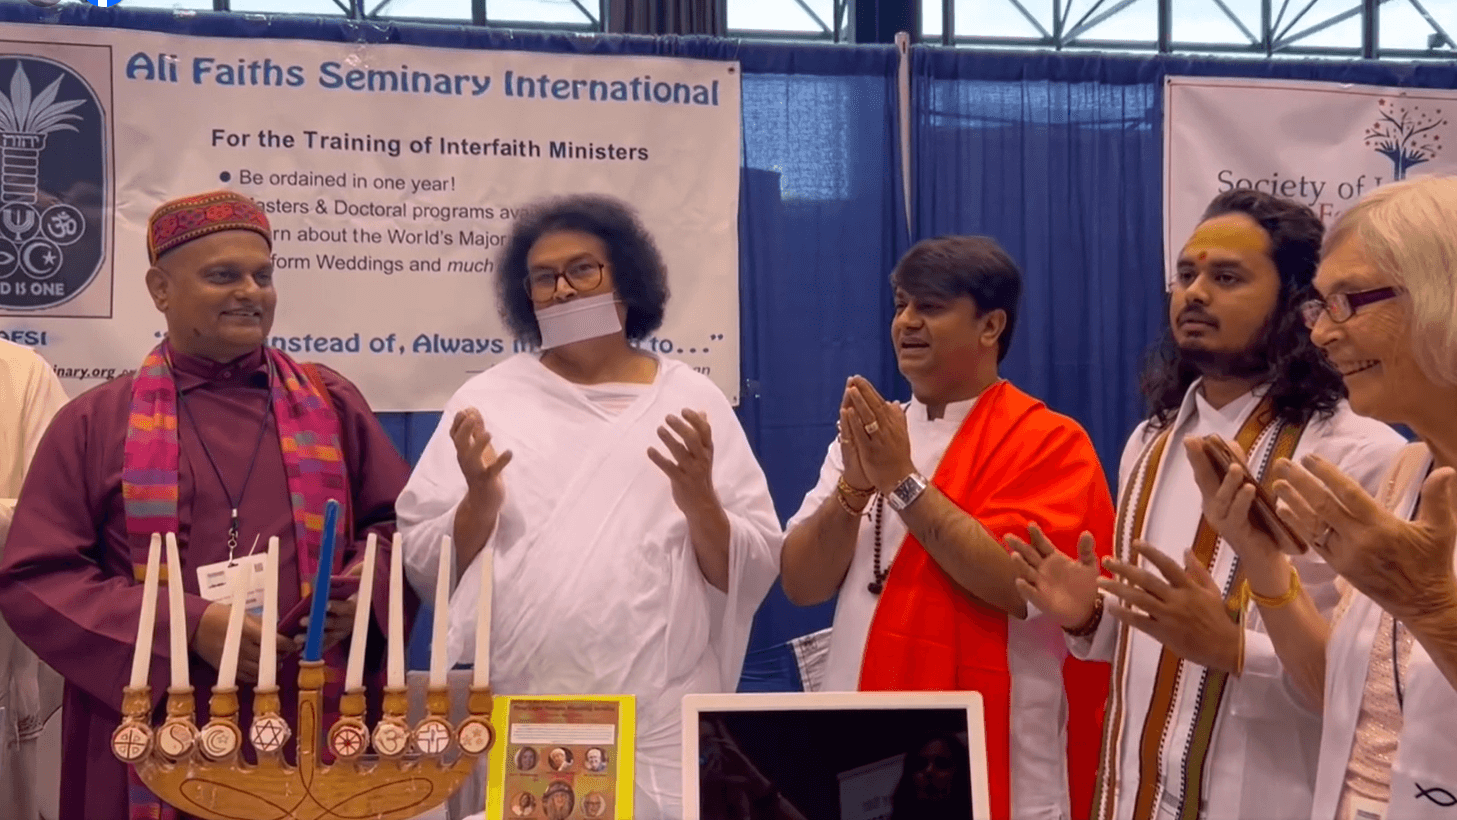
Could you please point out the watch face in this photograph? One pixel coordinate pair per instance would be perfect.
(907, 491)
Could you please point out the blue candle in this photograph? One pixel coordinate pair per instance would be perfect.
(314, 641)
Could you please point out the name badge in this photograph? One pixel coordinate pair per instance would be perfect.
(1362, 808)
(213, 582)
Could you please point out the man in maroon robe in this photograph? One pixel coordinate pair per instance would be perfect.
(69, 579)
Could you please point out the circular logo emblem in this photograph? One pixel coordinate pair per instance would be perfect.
(218, 740)
(432, 736)
(269, 733)
(348, 739)
(131, 742)
(390, 738)
(476, 736)
(53, 229)
(176, 739)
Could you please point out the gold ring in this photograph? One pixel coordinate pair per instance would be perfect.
(871, 428)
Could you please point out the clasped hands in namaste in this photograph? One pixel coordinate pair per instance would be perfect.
(875, 445)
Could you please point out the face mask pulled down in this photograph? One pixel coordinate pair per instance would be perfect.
(577, 320)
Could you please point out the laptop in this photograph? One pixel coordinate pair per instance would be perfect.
(834, 756)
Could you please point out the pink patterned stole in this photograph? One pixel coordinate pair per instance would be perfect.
(310, 438)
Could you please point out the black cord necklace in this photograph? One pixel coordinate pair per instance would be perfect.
(233, 503)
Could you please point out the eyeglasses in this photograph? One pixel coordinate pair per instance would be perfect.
(1342, 306)
(583, 274)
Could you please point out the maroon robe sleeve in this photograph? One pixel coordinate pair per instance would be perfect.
(377, 476)
(65, 588)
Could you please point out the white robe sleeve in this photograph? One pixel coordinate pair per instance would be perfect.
(426, 509)
(828, 482)
(755, 538)
(1362, 448)
(36, 394)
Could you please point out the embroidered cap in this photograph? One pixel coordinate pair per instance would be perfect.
(183, 220)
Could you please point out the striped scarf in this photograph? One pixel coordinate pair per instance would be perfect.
(309, 436)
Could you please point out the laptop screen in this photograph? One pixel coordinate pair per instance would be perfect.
(834, 756)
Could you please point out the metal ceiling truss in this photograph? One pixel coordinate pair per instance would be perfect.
(1285, 28)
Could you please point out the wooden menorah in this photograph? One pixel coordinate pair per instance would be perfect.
(202, 771)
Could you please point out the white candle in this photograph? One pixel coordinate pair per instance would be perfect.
(146, 625)
(354, 671)
(481, 677)
(176, 615)
(233, 641)
(268, 642)
(438, 649)
(395, 666)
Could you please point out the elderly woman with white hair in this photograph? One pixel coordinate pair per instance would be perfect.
(1384, 670)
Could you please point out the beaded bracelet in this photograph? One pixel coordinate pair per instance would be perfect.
(1091, 624)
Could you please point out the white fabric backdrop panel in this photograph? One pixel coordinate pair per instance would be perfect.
(391, 174)
(1322, 144)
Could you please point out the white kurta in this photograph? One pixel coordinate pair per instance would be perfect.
(30, 395)
(1261, 762)
(597, 589)
(855, 605)
(1035, 652)
(1424, 772)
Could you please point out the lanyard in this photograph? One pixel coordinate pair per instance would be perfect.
(233, 503)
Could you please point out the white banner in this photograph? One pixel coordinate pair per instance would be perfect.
(391, 174)
(1321, 144)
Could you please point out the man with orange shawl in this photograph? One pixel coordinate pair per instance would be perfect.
(927, 595)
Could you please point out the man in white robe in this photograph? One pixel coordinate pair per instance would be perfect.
(1195, 729)
(617, 569)
(30, 691)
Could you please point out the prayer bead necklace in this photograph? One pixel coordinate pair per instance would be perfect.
(877, 585)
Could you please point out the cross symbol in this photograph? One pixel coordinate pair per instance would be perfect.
(130, 743)
(432, 738)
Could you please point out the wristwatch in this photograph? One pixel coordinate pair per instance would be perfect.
(907, 491)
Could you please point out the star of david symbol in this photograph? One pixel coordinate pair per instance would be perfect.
(130, 743)
(389, 739)
(269, 734)
(432, 737)
(348, 741)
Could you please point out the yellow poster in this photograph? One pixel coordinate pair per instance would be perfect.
(562, 758)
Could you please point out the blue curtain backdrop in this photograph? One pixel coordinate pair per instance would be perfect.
(1059, 157)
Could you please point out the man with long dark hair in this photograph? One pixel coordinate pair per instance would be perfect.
(1200, 722)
